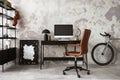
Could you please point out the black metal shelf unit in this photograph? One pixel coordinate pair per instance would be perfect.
(6, 53)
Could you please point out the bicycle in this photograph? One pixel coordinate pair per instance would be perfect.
(103, 53)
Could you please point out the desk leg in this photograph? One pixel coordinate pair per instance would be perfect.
(41, 58)
(65, 49)
(74, 48)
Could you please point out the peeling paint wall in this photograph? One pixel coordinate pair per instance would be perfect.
(97, 15)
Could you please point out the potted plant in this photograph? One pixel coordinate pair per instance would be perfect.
(6, 3)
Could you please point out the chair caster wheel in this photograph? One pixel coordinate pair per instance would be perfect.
(88, 72)
(64, 73)
(78, 76)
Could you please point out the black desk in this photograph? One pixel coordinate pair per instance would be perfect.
(64, 43)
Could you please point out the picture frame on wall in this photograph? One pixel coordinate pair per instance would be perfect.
(28, 53)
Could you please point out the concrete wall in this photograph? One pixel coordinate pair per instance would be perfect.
(97, 15)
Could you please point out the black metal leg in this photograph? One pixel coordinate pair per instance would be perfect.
(86, 62)
(15, 62)
(41, 58)
(76, 67)
(77, 72)
(68, 68)
(74, 48)
(65, 48)
(73, 67)
(3, 68)
(43, 55)
(83, 62)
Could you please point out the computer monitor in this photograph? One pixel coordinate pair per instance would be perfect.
(63, 31)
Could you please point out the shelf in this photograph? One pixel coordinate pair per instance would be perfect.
(8, 27)
(9, 48)
(5, 7)
(8, 54)
(62, 58)
(12, 48)
(8, 38)
(8, 17)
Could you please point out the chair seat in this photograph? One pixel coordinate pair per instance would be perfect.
(72, 53)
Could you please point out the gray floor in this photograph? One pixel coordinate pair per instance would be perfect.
(53, 71)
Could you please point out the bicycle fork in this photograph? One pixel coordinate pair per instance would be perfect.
(107, 43)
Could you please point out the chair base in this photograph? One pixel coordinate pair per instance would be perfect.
(76, 68)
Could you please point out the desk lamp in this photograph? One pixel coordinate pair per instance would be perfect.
(46, 32)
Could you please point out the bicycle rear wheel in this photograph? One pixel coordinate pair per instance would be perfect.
(102, 54)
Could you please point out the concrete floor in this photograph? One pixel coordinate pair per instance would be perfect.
(53, 71)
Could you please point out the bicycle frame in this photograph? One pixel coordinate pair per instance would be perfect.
(109, 42)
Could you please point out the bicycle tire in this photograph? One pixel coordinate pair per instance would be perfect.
(110, 54)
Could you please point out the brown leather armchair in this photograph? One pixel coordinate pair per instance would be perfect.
(83, 52)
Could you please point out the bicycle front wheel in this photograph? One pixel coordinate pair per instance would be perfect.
(102, 54)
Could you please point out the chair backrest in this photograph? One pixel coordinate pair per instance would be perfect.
(84, 41)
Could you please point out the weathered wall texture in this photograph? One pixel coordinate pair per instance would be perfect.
(97, 15)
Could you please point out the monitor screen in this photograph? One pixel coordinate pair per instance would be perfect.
(63, 31)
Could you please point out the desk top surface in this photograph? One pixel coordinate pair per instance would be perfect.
(60, 42)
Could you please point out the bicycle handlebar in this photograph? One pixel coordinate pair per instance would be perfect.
(105, 34)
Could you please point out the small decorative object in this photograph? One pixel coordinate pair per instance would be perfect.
(16, 17)
(6, 24)
(8, 43)
(46, 32)
(5, 35)
(6, 2)
(77, 34)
